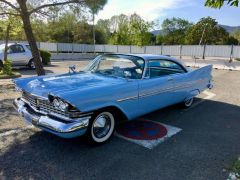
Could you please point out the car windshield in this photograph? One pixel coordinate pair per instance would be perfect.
(124, 66)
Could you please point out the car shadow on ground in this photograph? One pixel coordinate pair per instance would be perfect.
(40, 155)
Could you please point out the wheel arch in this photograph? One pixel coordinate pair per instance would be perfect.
(119, 115)
(193, 93)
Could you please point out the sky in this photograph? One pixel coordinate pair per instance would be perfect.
(158, 10)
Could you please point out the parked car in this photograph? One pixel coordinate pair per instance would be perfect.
(113, 88)
(19, 54)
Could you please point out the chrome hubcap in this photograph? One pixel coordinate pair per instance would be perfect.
(101, 126)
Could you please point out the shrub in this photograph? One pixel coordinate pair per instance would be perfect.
(46, 56)
(7, 68)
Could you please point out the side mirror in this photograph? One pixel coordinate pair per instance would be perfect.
(72, 68)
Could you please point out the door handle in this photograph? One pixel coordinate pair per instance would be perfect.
(170, 79)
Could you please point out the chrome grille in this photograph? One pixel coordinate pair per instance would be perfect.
(47, 107)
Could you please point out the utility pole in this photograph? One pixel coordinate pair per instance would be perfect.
(93, 14)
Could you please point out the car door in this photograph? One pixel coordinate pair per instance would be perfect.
(17, 54)
(155, 90)
(181, 81)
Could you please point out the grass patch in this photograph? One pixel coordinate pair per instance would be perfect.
(235, 168)
(6, 71)
(9, 76)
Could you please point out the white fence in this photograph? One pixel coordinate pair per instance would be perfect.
(226, 51)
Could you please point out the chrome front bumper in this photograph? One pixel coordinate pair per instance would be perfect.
(48, 123)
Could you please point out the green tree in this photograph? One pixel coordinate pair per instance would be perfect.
(120, 30)
(139, 30)
(231, 41)
(206, 31)
(16, 32)
(236, 35)
(103, 32)
(130, 30)
(175, 30)
(25, 9)
(220, 3)
(61, 30)
(95, 6)
(40, 30)
(83, 33)
(159, 39)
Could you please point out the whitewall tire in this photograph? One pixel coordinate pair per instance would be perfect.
(101, 127)
(188, 102)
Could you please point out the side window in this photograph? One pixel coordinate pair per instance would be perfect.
(28, 46)
(159, 68)
(16, 49)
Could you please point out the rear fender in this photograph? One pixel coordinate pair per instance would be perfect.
(202, 73)
(192, 94)
(202, 78)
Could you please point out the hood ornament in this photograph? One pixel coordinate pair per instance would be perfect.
(72, 68)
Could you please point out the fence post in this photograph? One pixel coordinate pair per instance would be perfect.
(130, 49)
(161, 49)
(57, 48)
(72, 48)
(180, 51)
(117, 48)
(204, 49)
(145, 49)
(104, 49)
(231, 54)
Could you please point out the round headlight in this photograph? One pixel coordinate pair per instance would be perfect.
(63, 106)
(56, 103)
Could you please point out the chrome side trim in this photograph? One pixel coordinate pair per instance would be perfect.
(127, 98)
(154, 92)
(186, 85)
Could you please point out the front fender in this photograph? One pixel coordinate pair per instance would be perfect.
(87, 100)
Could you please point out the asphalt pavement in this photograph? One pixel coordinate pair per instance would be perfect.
(204, 149)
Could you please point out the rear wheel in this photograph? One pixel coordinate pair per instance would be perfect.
(101, 127)
(188, 102)
(31, 64)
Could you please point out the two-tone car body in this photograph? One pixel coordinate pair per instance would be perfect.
(112, 88)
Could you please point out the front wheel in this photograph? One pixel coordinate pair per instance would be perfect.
(31, 64)
(101, 127)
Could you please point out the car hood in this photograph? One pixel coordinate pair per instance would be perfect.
(60, 84)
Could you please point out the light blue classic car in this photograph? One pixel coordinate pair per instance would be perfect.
(113, 88)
